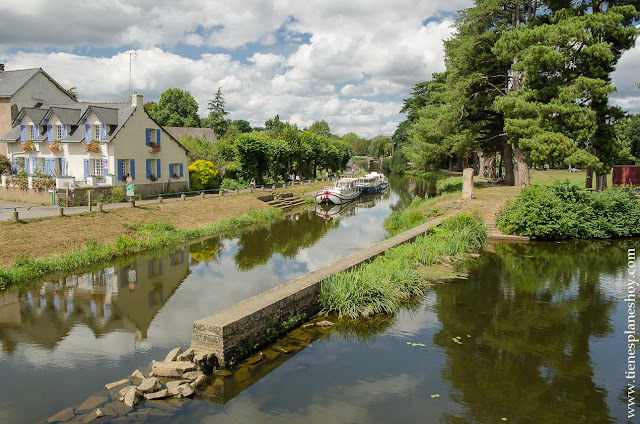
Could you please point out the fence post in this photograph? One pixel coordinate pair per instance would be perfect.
(15, 215)
(89, 196)
(183, 196)
(132, 202)
(202, 195)
(100, 206)
(237, 191)
(60, 211)
(159, 199)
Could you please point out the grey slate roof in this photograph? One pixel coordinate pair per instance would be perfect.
(107, 116)
(179, 132)
(12, 136)
(12, 81)
(67, 116)
(35, 114)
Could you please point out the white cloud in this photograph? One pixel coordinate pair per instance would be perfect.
(628, 96)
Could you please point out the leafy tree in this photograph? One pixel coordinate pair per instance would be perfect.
(253, 154)
(380, 146)
(73, 93)
(359, 146)
(203, 174)
(274, 125)
(631, 134)
(148, 106)
(321, 128)
(199, 148)
(242, 125)
(176, 108)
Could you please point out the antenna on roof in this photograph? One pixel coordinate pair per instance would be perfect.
(130, 74)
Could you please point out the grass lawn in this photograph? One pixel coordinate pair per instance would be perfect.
(547, 177)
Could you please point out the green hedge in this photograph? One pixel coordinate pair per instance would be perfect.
(565, 210)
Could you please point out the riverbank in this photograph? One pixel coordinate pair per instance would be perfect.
(47, 237)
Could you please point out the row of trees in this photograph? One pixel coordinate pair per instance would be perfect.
(529, 80)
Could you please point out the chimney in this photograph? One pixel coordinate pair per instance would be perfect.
(1, 67)
(136, 100)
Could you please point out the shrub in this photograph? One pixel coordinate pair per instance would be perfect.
(116, 194)
(565, 210)
(229, 184)
(5, 165)
(203, 174)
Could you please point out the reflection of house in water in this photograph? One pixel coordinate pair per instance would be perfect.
(115, 298)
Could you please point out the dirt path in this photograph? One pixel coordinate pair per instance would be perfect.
(41, 237)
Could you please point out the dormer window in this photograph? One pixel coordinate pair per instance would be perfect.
(59, 132)
(96, 132)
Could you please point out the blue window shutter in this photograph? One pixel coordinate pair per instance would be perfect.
(64, 131)
(133, 169)
(46, 166)
(63, 166)
(104, 167)
(34, 132)
(87, 133)
(52, 166)
(158, 131)
(148, 164)
(26, 164)
(14, 165)
(119, 169)
(181, 170)
(170, 170)
(50, 133)
(86, 168)
(159, 168)
(23, 135)
(101, 131)
(148, 135)
(35, 165)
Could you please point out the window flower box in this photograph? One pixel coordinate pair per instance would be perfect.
(93, 147)
(155, 148)
(28, 146)
(55, 147)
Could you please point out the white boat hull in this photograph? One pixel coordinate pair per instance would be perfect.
(330, 196)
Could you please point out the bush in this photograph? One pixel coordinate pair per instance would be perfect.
(229, 184)
(203, 174)
(116, 194)
(565, 210)
(5, 165)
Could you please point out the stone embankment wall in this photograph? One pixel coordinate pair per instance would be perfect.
(239, 330)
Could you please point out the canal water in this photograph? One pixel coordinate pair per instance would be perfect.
(535, 334)
(64, 338)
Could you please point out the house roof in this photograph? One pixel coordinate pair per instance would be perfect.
(12, 136)
(67, 116)
(179, 132)
(35, 114)
(12, 81)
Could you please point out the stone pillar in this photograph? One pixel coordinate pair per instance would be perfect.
(132, 203)
(237, 191)
(183, 196)
(467, 184)
(159, 199)
(60, 211)
(15, 216)
(99, 206)
(202, 195)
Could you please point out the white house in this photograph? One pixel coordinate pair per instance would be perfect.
(97, 145)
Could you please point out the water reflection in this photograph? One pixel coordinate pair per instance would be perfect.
(532, 311)
(115, 298)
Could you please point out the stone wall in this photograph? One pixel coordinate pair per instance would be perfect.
(239, 330)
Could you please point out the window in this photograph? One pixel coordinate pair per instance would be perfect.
(125, 168)
(97, 132)
(97, 168)
(59, 130)
(34, 132)
(175, 170)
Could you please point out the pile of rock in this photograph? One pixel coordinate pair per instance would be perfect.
(189, 366)
(176, 378)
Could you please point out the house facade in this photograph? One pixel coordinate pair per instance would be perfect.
(96, 145)
(25, 88)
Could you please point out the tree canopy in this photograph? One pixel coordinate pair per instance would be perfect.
(176, 108)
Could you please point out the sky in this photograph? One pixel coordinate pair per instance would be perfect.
(349, 63)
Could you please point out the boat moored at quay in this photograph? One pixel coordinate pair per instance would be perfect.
(344, 190)
(372, 183)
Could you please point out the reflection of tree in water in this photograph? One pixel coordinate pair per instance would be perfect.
(286, 237)
(206, 250)
(531, 310)
(406, 188)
